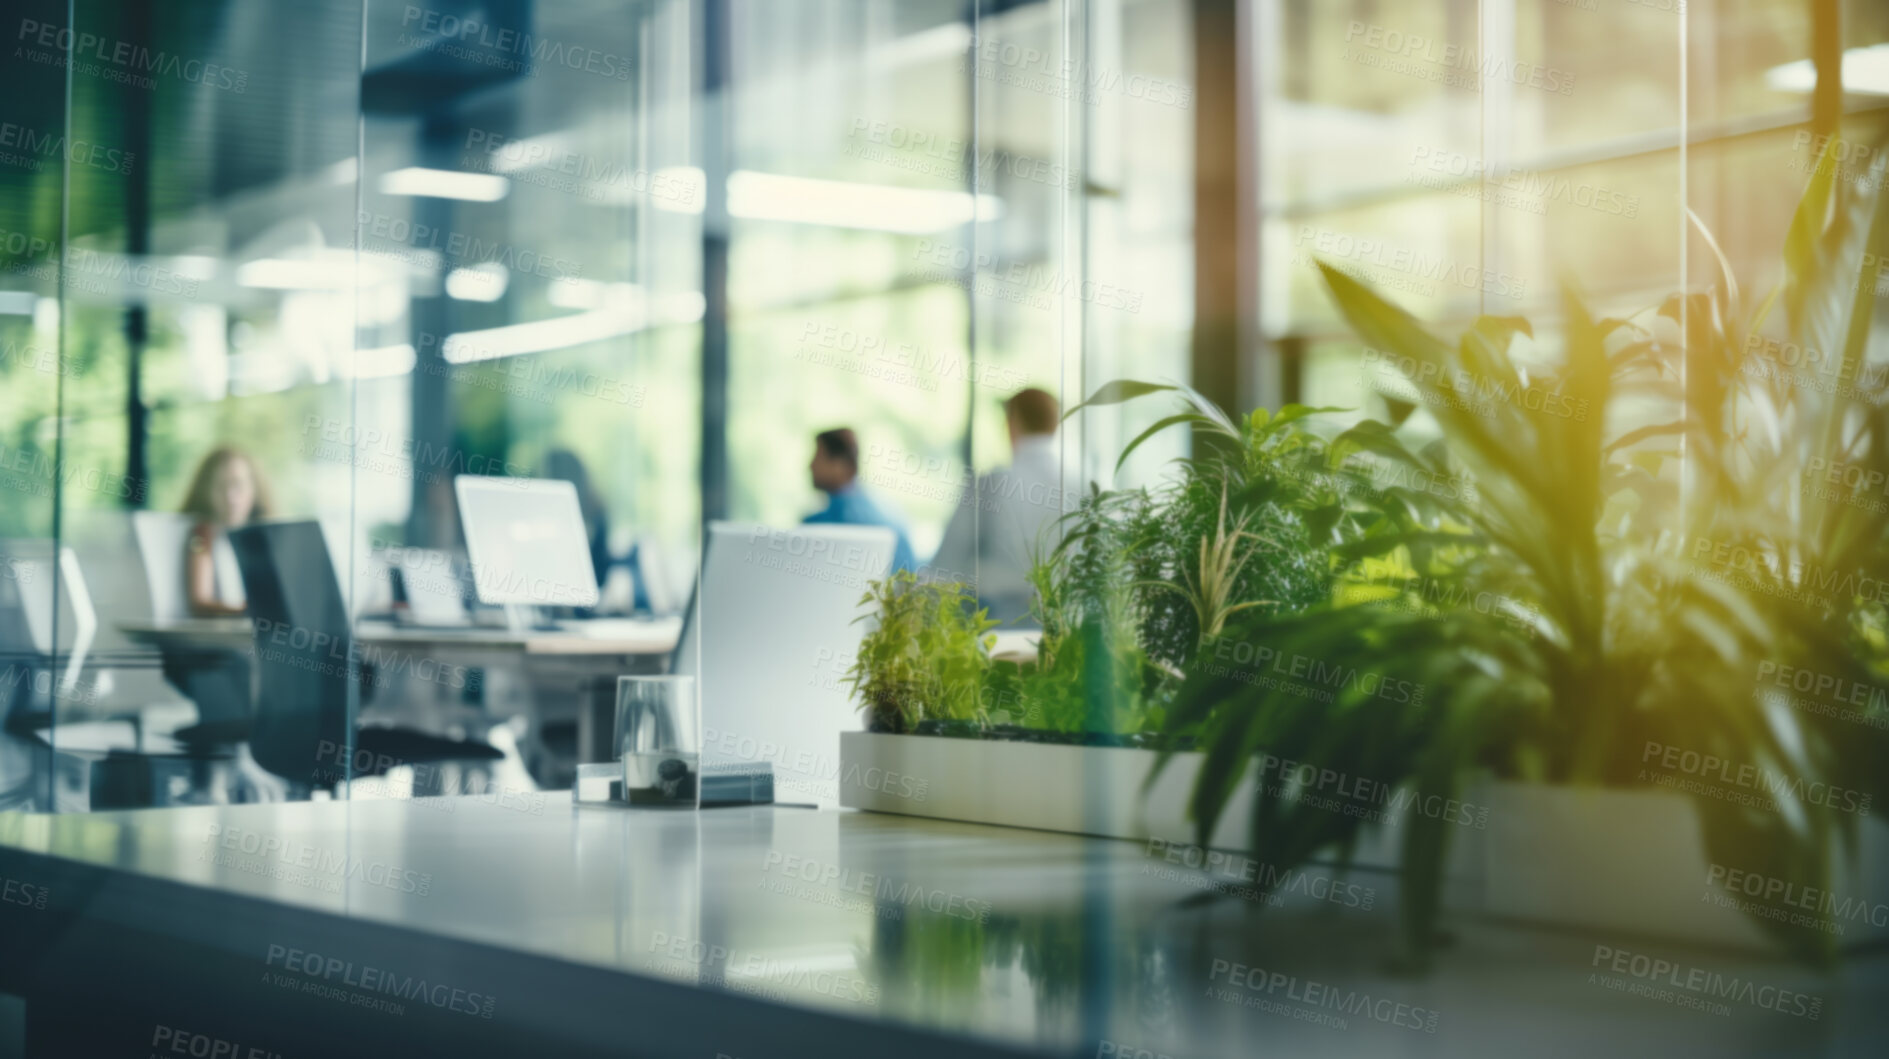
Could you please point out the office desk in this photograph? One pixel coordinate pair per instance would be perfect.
(572, 671)
(628, 638)
(543, 929)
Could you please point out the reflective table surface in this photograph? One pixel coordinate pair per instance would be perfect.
(1019, 940)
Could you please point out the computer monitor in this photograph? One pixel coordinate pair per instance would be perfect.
(527, 541)
(768, 636)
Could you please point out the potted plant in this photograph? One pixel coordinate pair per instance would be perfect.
(1136, 585)
(926, 655)
(1640, 636)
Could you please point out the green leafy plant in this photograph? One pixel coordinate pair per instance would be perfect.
(926, 655)
(1620, 630)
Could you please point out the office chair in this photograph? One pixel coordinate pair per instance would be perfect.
(45, 613)
(306, 657)
(218, 682)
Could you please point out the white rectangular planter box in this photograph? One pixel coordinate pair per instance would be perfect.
(1631, 863)
(1635, 862)
(1077, 789)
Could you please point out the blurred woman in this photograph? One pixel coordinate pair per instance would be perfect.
(226, 493)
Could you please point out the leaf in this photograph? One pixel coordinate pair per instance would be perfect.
(1160, 425)
(1653, 430)
(1118, 391)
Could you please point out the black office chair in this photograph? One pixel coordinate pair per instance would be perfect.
(307, 662)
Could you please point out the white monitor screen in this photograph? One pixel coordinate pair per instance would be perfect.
(527, 541)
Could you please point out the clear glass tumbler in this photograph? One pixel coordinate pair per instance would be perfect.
(659, 740)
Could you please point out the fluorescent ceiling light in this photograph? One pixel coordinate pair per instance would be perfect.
(540, 336)
(470, 347)
(572, 292)
(194, 266)
(445, 184)
(844, 204)
(1865, 73)
(483, 282)
(283, 273)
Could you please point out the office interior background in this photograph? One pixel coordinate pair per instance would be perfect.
(653, 247)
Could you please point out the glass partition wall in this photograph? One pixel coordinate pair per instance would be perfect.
(273, 266)
(317, 264)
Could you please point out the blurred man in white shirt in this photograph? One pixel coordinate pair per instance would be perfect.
(1010, 514)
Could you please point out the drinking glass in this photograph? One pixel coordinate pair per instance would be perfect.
(659, 741)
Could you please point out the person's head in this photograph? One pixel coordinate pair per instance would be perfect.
(835, 459)
(1031, 413)
(227, 489)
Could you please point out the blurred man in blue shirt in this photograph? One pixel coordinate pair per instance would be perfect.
(835, 470)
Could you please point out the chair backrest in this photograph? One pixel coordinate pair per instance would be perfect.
(768, 635)
(162, 536)
(305, 653)
(45, 611)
